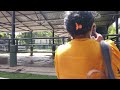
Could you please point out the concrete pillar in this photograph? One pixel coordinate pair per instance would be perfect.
(53, 46)
(31, 47)
(13, 47)
(13, 55)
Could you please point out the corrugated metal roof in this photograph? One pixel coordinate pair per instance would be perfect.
(45, 20)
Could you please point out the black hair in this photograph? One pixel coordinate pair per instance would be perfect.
(85, 18)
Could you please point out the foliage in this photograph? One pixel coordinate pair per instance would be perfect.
(4, 35)
(37, 35)
(112, 30)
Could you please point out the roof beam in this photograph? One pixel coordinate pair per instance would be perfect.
(26, 14)
(5, 28)
(103, 20)
(33, 20)
(5, 17)
(46, 20)
(16, 15)
(9, 21)
(109, 14)
(41, 23)
(20, 22)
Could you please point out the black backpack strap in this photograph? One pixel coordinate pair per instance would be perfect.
(107, 59)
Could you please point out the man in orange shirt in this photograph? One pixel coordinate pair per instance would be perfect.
(75, 59)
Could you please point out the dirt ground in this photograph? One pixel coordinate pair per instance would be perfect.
(32, 70)
(38, 64)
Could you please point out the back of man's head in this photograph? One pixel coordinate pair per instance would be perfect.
(78, 22)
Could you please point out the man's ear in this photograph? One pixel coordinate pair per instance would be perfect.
(93, 27)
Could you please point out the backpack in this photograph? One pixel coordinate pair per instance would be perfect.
(107, 61)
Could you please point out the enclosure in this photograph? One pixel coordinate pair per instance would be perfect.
(32, 22)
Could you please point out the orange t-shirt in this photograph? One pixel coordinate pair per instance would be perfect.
(76, 58)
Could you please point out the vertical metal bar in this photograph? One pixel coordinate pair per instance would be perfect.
(13, 28)
(53, 46)
(53, 36)
(107, 32)
(31, 48)
(31, 36)
(63, 40)
(117, 39)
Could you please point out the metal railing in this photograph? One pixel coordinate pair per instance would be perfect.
(27, 47)
(48, 47)
(113, 37)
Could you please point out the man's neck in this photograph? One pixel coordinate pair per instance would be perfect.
(81, 36)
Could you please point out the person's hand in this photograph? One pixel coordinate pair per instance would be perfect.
(98, 38)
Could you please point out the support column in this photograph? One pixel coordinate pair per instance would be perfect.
(107, 32)
(31, 48)
(53, 46)
(13, 28)
(117, 39)
(63, 40)
(13, 47)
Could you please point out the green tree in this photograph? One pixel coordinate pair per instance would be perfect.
(37, 35)
(4, 35)
(111, 30)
